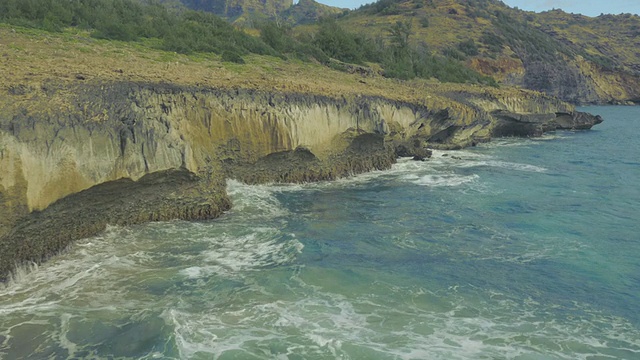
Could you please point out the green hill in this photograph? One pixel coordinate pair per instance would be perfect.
(577, 58)
(574, 57)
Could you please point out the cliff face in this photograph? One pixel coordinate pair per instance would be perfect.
(95, 154)
(573, 79)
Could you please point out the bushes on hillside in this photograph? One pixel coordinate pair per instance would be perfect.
(337, 43)
(194, 31)
(469, 48)
(129, 20)
(530, 43)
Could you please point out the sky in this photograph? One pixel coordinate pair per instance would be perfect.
(586, 7)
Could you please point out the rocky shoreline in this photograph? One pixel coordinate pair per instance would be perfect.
(77, 158)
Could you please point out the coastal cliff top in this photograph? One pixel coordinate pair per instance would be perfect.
(32, 61)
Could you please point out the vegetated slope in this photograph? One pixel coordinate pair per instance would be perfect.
(189, 31)
(462, 41)
(615, 38)
(579, 59)
(128, 20)
(250, 12)
(233, 9)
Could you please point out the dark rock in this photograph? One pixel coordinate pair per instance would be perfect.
(577, 121)
(532, 125)
(522, 125)
(166, 195)
(415, 148)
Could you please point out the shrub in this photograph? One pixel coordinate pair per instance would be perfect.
(493, 42)
(338, 43)
(232, 56)
(453, 53)
(468, 47)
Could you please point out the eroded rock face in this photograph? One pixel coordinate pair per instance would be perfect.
(123, 153)
(531, 125)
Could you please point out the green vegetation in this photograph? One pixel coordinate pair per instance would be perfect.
(129, 20)
(469, 48)
(404, 61)
(492, 41)
(533, 44)
(424, 22)
(195, 31)
(527, 41)
(345, 46)
(381, 7)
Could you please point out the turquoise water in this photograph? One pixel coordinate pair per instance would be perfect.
(520, 249)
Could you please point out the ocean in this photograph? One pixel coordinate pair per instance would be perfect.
(515, 249)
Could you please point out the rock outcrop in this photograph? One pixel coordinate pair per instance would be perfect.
(529, 125)
(82, 156)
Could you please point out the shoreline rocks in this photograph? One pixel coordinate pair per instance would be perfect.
(124, 153)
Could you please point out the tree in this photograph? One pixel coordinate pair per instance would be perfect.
(334, 41)
(400, 33)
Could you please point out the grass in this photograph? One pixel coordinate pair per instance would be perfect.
(34, 58)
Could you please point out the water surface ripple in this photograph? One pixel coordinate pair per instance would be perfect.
(516, 249)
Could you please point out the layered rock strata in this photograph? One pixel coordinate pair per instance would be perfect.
(78, 158)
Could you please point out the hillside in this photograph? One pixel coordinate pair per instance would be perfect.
(576, 58)
(233, 9)
(250, 12)
(579, 59)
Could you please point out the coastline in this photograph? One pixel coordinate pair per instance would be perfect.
(87, 123)
(126, 153)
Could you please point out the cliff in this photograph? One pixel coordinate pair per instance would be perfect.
(95, 133)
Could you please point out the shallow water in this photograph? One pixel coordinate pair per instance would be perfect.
(521, 249)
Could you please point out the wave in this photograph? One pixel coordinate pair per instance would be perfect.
(461, 323)
(503, 165)
(442, 180)
(233, 255)
(254, 200)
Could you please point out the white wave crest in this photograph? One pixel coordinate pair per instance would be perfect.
(231, 255)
